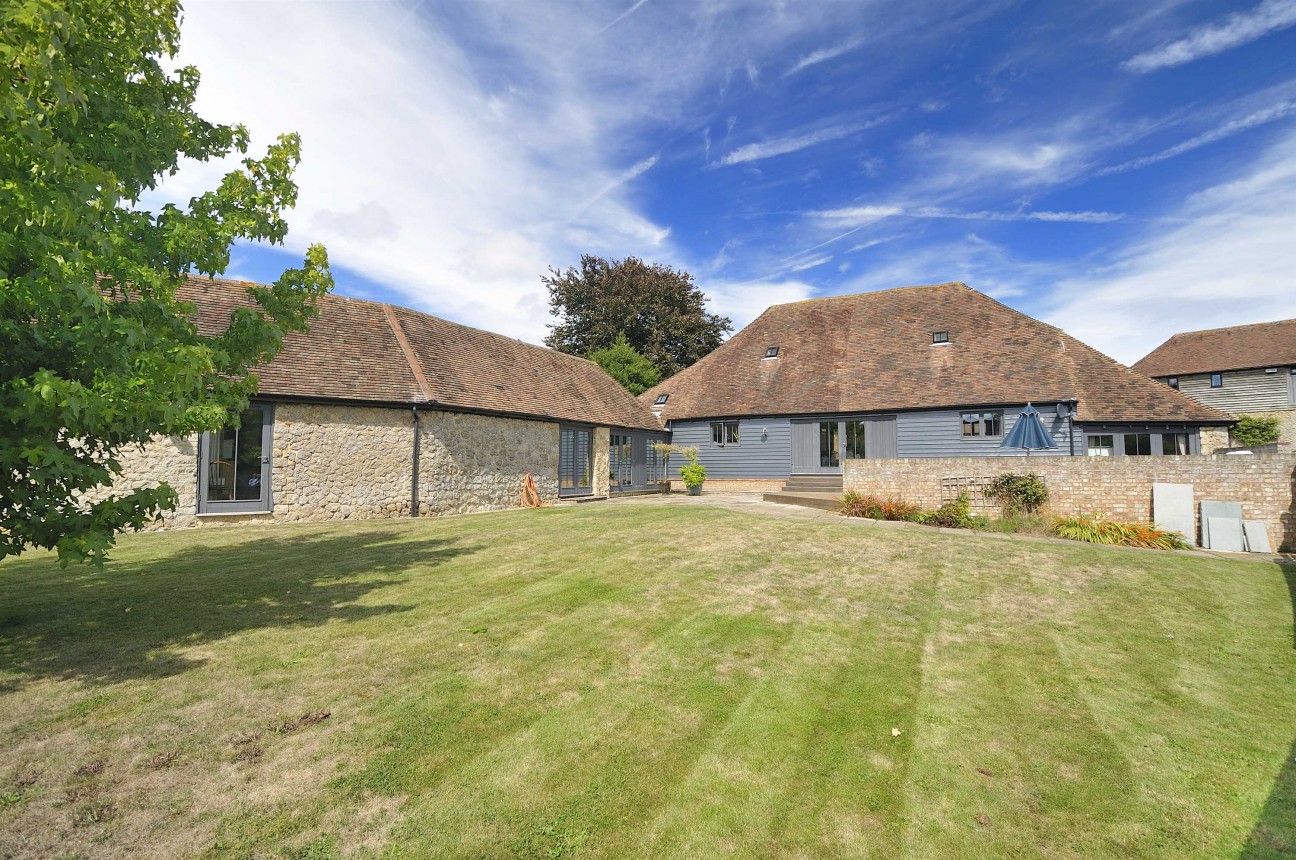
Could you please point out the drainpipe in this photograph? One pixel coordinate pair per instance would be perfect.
(414, 478)
(1071, 414)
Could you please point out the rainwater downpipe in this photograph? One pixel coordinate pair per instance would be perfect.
(414, 478)
(1071, 414)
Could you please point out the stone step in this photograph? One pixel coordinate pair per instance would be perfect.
(822, 501)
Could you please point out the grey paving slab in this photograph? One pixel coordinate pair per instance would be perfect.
(1226, 534)
(1172, 509)
(1211, 509)
(1257, 536)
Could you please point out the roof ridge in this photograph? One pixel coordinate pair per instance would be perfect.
(411, 358)
(1227, 328)
(869, 293)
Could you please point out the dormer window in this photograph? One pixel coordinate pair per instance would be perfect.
(771, 352)
(1173, 382)
(661, 399)
(940, 337)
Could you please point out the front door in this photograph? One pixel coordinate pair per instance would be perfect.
(816, 447)
(234, 473)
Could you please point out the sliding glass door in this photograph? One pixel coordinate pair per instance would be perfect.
(575, 462)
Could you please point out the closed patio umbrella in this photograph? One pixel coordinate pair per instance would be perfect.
(1028, 432)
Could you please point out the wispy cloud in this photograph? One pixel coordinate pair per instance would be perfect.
(1237, 29)
(811, 263)
(784, 145)
(1228, 129)
(618, 19)
(1228, 258)
(822, 55)
(871, 214)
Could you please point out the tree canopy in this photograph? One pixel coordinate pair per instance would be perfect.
(627, 366)
(97, 353)
(659, 310)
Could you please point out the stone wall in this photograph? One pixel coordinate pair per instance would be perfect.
(1213, 439)
(355, 462)
(471, 463)
(1286, 423)
(1119, 487)
(169, 459)
(601, 438)
(340, 462)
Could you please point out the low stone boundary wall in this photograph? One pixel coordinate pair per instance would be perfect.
(1119, 487)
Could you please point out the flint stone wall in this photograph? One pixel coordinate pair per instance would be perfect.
(356, 462)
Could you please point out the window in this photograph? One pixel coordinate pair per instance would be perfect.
(575, 458)
(234, 476)
(855, 447)
(1173, 382)
(1138, 444)
(1103, 445)
(1174, 443)
(724, 433)
(940, 337)
(771, 352)
(661, 399)
(1217, 380)
(982, 424)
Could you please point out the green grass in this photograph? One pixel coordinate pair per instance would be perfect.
(630, 679)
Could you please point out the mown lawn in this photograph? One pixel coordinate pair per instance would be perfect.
(624, 680)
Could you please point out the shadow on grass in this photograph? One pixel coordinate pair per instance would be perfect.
(127, 621)
(1274, 835)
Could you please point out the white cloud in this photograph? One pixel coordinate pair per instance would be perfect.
(1261, 117)
(784, 145)
(743, 301)
(618, 19)
(1237, 29)
(1229, 261)
(872, 214)
(822, 55)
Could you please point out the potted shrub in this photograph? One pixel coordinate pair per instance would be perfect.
(693, 474)
(664, 451)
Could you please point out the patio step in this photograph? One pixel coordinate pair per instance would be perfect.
(813, 484)
(806, 499)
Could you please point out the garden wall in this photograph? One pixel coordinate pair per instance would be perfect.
(1119, 487)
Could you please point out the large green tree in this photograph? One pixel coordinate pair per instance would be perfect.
(662, 314)
(97, 353)
(626, 365)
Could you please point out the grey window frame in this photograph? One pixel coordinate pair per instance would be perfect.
(1217, 380)
(720, 434)
(771, 352)
(1125, 444)
(1173, 382)
(661, 399)
(265, 504)
(1088, 437)
(942, 336)
(979, 421)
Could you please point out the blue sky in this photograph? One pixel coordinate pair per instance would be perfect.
(1122, 170)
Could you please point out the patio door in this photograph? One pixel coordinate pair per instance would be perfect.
(816, 447)
(575, 462)
(234, 469)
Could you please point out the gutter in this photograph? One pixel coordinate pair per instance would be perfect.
(414, 476)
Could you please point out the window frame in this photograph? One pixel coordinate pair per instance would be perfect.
(939, 337)
(978, 422)
(722, 432)
(1126, 438)
(1109, 448)
(1173, 382)
(771, 352)
(661, 400)
(1217, 380)
(206, 443)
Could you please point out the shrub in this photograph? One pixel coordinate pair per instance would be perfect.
(1255, 430)
(1092, 528)
(954, 514)
(693, 473)
(852, 504)
(1018, 494)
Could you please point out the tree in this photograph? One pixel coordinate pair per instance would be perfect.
(658, 309)
(1253, 430)
(626, 365)
(97, 354)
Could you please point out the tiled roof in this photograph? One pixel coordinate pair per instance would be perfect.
(354, 351)
(873, 352)
(1239, 347)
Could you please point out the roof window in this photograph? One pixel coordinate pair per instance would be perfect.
(940, 337)
(771, 352)
(661, 399)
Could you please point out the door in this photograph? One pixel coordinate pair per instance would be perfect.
(234, 469)
(620, 461)
(816, 447)
(575, 462)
